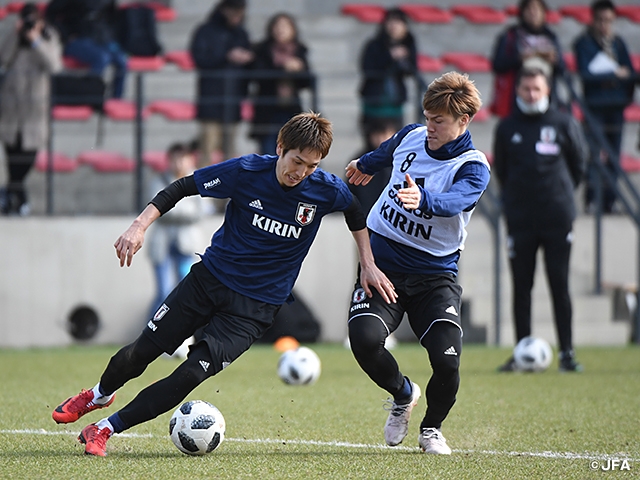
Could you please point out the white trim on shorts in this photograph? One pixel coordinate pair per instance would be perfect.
(372, 315)
(441, 320)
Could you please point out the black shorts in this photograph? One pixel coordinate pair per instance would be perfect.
(231, 321)
(425, 298)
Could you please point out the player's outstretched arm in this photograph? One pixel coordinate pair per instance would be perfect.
(355, 176)
(131, 241)
(370, 274)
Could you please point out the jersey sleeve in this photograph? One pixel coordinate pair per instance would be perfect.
(374, 161)
(344, 197)
(219, 180)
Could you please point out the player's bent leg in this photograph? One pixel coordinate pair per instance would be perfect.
(165, 394)
(443, 342)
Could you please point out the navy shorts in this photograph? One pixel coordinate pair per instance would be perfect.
(424, 298)
(232, 322)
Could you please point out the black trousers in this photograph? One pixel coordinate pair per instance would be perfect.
(523, 248)
(19, 163)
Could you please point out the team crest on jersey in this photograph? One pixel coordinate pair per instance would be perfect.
(359, 295)
(305, 213)
(162, 311)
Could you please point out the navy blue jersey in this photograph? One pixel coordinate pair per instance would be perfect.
(267, 229)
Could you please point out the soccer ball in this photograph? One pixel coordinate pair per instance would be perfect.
(532, 354)
(197, 427)
(299, 367)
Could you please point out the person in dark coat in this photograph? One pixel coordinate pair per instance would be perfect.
(528, 43)
(281, 71)
(539, 157)
(89, 32)
(386, 61)
(221, 52)
(606, 72)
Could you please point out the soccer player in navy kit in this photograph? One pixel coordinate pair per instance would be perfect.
(417, 233)
(246, 274)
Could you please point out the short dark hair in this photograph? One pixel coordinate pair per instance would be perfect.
(306, 131)
(600, 5)
(525, 3)
(177, 150)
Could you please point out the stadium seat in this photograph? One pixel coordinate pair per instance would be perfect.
(635, 61)
(72, 112)
(174, 109)
(3, 12)
(364, 12)
(145, 64)
(163, 13)
(553, 16)
(570, 61)
(629, 163)
(73, 64)
(467, 62)
(479, 13)
(156, 160)
(632, 113)
(426, 13)
(181, 58)
(482, 116)
(429, 64)
(61, 163)
(489, 156)
(630, 12)
(15, 7)
(103, 161)
(580, 13)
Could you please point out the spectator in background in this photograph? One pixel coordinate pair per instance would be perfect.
(386, 60)
(376, 132)
(174, 238)
(530, 43)
(538, 158)
(606, 71)
(29, 54)
(221, 52)
(283, 58)
(89, 33)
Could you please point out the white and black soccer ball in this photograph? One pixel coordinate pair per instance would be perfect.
(532, 354)
(299, 367)
(197, 428)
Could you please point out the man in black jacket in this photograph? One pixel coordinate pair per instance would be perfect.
(539, 158)
(221, 51)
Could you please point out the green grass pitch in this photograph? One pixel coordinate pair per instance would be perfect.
(504, 426)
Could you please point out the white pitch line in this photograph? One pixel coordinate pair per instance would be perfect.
(545, 454)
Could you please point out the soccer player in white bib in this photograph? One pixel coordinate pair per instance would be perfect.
(417, 233)
(276, 205)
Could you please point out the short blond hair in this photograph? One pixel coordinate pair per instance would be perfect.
(454, 94)
(306, 131)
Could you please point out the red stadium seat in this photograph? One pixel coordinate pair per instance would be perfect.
(103, 161)
(61, 163)
(467, 62)
(489, 156)
(73, 64)
(429, 64)
(479, 13)
(15, 7)
(553, 16)
(635, 61)
(162, 12)
(3, 12)
(72, 112)
(630, 12)
(364, 12)
(632, 113)
(576, 111)
(157, 160)
(145, 64)
(426, 13)
(580, 13)
(118, 109)
(174, 109)
(181, 58)
(482, 116)
(570, 61)
(629, 163)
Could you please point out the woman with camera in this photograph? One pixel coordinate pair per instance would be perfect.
(29, 54)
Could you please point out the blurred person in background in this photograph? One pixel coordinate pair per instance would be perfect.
(222, 53)
(89, 32)
(283, 58)
(529, 43)
(539, 155)
(606, 72)
(386, 61)
(174, 238)
(29, 54)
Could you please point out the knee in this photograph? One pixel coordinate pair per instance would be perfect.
(366, 334)
(445, 366)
